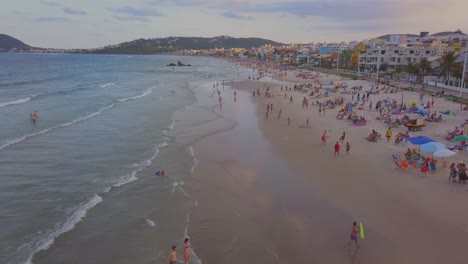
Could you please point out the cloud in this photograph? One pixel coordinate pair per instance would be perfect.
(21, 13)
(73, 11)
(357, 10)
(131, 18)
(234, 15)
(52, 19)
(49, 3)
(202, 3)
(139, 12)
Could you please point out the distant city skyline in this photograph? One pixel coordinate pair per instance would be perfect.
(92, 24)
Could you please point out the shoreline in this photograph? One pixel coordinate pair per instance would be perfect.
(402, 211)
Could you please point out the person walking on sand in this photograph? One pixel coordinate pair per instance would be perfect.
(186, 250)
(291, 99)
(324, 138)
(289, 122)
(348, 148)
(320, 110)
(342, 138)
(173, 257)
(266, 115)
(389, 134)
(307, 122)
(354, 235)
(337, 150)
(279, 113)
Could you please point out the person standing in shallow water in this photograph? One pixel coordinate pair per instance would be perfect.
(354, 235)
(173, 257)
(186, 251)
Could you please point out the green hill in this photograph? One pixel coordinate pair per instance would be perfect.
(8, 43)
(161, 45)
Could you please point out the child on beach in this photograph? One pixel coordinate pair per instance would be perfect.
(388, 134)
(337, 150)
(173, 257)
(342, 138)
(354, 235)
(348, 148)
(324, 138)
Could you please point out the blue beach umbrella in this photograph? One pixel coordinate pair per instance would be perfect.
(421, 112)
(432, 147)
(448, 112)
(419, 140)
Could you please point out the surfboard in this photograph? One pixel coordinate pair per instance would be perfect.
(361, 228)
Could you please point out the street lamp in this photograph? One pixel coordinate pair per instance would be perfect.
(464, 67)
(378, 64)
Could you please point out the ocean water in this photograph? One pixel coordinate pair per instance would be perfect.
(79, 185)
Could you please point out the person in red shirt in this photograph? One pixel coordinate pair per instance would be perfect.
(337, 150)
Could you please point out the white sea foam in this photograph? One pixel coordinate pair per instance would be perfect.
(106, 85)
(150, 223)
(18, 140)
(14, 102)
(171, 126)
(78, 214)
(175, 184)
(132, 176)
(195, 160)
(145, 93)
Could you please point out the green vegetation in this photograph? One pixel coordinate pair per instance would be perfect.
(8, 43)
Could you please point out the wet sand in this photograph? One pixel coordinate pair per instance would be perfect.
(269, 193)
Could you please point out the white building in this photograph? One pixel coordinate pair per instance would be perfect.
(395, 54)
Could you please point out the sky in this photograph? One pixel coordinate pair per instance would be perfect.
(96, 23)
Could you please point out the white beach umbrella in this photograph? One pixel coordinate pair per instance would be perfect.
(444, 153)
(432, 147)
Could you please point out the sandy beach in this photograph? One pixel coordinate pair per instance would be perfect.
(278, 191)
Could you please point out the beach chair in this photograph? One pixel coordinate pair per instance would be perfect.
(432, 166)
(404, 165)
(424, 170)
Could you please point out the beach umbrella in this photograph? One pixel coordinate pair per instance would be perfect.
(413, 102)
(421, 112)
(448, 112)
(432, 147)
(460, 138)
(444, 153)
(419, 140)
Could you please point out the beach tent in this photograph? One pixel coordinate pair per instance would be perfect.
(460, 138)
(444, 153)
(448, 112)
(432, 147)
(419, 140)
(421, 112)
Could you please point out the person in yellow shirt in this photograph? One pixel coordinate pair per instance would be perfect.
(388, 134)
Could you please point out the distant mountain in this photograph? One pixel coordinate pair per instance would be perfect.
(439, 34)
(161, 45)
(8, 43)
(387, 37)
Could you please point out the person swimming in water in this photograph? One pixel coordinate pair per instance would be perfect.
(34, 117)
(160, 173)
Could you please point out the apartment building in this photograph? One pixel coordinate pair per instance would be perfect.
(395, 54)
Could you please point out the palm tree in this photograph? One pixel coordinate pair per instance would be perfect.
(448, 63)
(411, 69)
(424, 68)
(398, 70)
(458, 71)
